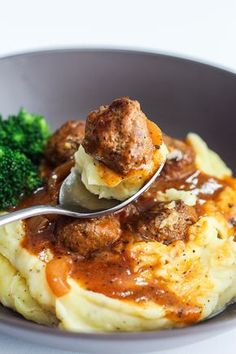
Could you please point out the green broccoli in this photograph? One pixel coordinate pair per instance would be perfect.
(25, 132)
(18, 177)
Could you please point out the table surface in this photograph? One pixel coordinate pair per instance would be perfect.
(203, 30)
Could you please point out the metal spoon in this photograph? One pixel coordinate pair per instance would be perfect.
(76, 201)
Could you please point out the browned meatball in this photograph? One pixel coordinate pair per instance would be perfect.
(181, 161)
(65, 141)
(118, 136)
(128, 214)
(165, 224)
(88, 236)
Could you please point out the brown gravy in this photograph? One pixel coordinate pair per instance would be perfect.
(110, 272)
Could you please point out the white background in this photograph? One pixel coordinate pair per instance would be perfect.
(200, 29)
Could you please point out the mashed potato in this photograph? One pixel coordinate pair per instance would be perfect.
(105, 183)
(173, 194)
(207, 160)
(15, 294)
(200, 271)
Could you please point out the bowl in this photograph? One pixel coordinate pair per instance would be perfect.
(180, 94)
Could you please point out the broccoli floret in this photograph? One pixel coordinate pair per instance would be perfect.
(25, 132)
(18, 177)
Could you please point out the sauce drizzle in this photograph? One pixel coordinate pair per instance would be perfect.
(110, 272)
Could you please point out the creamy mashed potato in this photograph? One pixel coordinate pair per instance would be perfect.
(200, 271)
(105, 183)
(15, 294)
(173, 194)
(207, 160)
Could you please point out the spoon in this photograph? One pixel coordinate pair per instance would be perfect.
(76, 201)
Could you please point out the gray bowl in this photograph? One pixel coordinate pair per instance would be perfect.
(181, 95)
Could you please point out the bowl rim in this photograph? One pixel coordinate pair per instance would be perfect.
(116, 50)
(24, 325)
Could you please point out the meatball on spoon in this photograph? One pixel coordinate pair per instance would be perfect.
(118, 137)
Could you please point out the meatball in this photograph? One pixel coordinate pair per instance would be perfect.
(181, 159)
(64, 142)
(88, 236)
(166, 222)
(128, 213)
(118, 136)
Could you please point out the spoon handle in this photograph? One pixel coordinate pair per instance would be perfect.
(29, 212)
